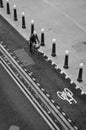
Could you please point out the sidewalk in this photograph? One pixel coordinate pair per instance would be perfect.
(63, 20)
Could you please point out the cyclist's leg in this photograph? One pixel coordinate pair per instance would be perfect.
(30, 46)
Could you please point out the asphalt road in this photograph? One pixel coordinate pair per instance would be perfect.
(15, 109)
(49, 79)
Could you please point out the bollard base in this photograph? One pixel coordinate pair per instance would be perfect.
(65, 66)
(15, 19)
(8, 12)
(23, 26)
(1, 4)
(42, 44)
(53, 54)
(79, 80)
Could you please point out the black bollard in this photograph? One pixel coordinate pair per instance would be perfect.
(66, 60)
(8, 7)
(1, 3)
(54, 48)
(23, 21)
(32, 26)
(42, 38)
(15, 13)
(79, 79)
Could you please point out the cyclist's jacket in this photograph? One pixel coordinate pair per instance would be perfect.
(34, 38)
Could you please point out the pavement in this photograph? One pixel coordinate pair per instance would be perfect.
(63, 20)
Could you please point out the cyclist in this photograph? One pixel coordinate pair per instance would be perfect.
(34, 42)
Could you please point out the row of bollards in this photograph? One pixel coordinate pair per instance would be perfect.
(53, 53)
(66, 60)
(66, 66)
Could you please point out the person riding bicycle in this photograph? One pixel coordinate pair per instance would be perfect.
(34, 42)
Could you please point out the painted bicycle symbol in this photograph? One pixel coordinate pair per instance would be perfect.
(66, 95)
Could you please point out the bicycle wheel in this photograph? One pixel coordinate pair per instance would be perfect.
(68, 92)
(61, 95)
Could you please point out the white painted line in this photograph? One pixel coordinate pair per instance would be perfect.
(76, 127)
(38, 84)
(25, 69)
(42, 89)
(47, 95)
(33, 79)
(52, 101)
(63, 113)
(69, 120)
(58, 107)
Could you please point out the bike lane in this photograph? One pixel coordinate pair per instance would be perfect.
(60, 89)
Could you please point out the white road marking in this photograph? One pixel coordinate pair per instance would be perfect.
(67, 95)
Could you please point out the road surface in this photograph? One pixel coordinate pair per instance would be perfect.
(15, 108)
